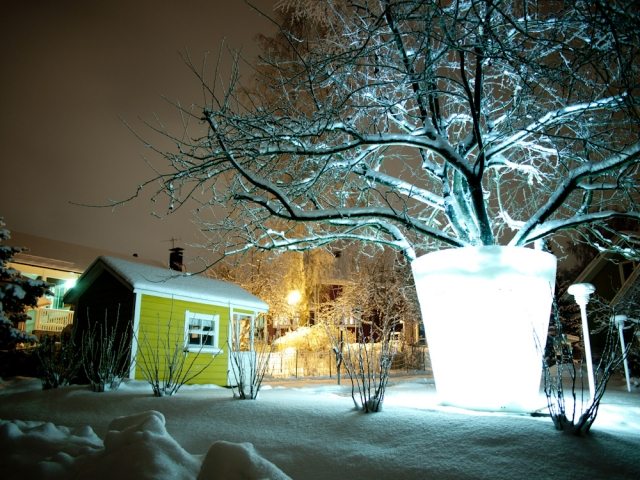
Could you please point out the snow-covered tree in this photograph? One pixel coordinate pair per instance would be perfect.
(271, 278)
(17, 294)
(419, 123)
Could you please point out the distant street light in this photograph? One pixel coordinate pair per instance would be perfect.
(293, 298)
(581, 293)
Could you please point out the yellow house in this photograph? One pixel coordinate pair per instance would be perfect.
(160, 305)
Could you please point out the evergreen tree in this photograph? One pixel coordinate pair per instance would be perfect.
(17, 293)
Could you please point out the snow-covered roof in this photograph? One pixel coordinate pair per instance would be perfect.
(147, 278)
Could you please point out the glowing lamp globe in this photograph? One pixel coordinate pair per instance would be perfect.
(294, 297)
(486, 314)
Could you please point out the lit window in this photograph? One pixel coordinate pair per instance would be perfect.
(202, 331)
(242, 332)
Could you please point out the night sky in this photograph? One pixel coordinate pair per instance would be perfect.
(72, 71)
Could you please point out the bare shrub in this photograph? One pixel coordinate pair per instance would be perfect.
(248, 367)
(372, 311)
(565, 382)
(368, 364)
(104, 351)
(59, 361)
(166, 363)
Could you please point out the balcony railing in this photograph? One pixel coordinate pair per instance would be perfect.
(48, 320)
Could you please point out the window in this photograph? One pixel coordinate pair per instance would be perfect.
(260, 328)
(242, 332)
(202, 331)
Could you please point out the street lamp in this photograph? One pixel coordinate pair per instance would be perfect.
(581, 293)
(293, 298)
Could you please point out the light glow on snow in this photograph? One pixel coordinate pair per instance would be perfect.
(486, 313)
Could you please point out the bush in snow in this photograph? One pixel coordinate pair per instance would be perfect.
(59, 361)
(368, 364)
(367, 361)
(166, 363)
(17, 293)
(105, 349)
(565, 381)
(372, 309)
(248, 367)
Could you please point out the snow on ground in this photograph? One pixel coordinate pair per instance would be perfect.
(299, 430)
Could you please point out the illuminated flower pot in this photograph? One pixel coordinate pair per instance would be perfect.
(486, 314)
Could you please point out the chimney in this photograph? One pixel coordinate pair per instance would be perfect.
(175, 259)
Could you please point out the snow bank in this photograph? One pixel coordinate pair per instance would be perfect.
(135, 447)
(237, 461)
(310, 430)
(43, 450)
(139, 446)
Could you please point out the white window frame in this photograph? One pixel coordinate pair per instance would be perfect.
(214, 332)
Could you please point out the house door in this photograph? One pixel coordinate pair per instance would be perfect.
(242, 355)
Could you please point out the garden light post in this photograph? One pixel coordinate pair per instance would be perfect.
(620, 319)
(581, 293)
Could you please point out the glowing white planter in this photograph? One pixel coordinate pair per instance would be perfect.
(486, 314)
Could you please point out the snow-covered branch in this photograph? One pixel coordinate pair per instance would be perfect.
(543, 227)
(551, 119)
(417, 124)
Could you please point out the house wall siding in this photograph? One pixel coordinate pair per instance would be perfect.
(162, 324)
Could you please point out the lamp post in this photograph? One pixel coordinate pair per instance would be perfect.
(581, 293)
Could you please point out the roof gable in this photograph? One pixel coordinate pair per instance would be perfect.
(163, 281)
(613, 276)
